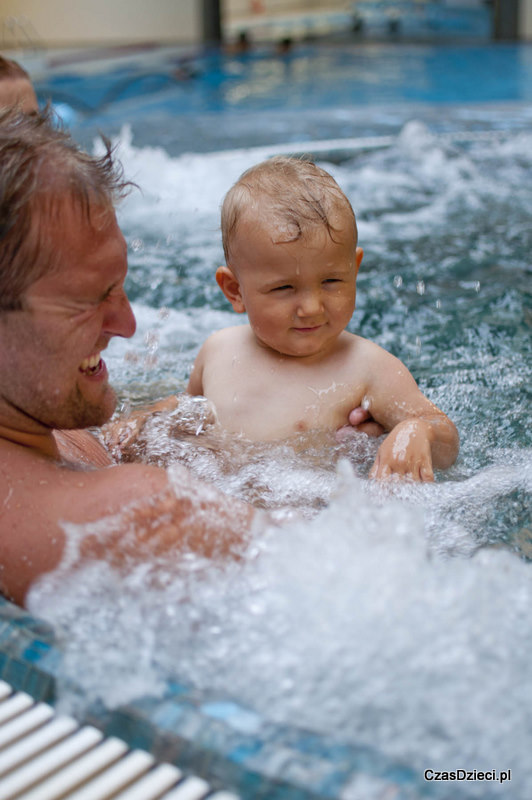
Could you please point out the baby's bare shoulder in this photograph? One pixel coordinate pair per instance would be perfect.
(360, 349)
(365, 348)
(234, 333)
(224, 338)
(366, 360)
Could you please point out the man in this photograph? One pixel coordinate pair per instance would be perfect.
(63, 262)
(16, 88)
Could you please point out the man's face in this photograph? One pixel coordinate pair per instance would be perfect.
(52, 372)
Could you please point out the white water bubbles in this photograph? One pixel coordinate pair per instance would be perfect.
(351, 624)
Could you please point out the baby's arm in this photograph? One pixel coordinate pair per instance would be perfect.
(421, 436)
(195, 382)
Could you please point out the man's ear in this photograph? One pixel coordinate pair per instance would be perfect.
(228, 283)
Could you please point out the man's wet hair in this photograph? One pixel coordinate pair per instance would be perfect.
(41, 168)
(295, 192)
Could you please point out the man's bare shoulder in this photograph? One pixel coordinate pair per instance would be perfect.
(31, 484)
(39, 497)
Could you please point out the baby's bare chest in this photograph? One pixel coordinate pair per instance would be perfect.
(267, 399)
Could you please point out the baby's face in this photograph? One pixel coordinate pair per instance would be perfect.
(300, 295)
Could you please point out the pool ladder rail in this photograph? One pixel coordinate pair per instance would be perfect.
(46, 756)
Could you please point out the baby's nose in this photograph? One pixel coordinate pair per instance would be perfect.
(309, 303)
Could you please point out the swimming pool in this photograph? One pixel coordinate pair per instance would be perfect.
(387, 632)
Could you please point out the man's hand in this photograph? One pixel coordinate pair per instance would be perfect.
(360, 421)
(186, 415)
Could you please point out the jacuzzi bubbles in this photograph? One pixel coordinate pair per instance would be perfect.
(378, 622)
(395, 616)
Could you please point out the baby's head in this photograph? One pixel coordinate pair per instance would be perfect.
(16, 88)
(291, 196)
(290, 241)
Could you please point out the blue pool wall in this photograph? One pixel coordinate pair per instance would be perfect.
(228, 745)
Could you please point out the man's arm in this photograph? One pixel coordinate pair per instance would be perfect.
(360, 421)
(123, 514)
(121, 433)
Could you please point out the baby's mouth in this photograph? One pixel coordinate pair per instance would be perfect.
(91, 365)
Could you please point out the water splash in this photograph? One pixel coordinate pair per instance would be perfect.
(368, 620)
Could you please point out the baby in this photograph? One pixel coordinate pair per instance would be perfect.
(290, 242)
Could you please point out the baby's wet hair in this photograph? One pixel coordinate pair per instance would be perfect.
(297, 193)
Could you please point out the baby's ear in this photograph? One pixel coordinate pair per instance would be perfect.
(228, 283)
(359, 255)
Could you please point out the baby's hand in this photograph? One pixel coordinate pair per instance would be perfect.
(406, 452)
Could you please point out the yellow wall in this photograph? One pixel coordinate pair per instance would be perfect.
(525, 20)
(71, 23)
(271, 19)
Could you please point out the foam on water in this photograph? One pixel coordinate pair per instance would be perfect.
(366, 623)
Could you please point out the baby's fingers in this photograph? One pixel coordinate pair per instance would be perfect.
(380, 471)
(426, 473)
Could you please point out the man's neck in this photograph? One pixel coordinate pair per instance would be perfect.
(41, 443)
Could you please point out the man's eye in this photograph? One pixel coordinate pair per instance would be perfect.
(332, 280)
(281, 288)
(111, 294)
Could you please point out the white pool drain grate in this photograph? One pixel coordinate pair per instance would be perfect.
(46, 756)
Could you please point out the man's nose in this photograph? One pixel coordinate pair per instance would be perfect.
(120, 319)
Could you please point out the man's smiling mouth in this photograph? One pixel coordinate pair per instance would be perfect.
(91, 365)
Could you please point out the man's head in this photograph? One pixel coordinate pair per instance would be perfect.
(16, 88)
(41, 168)
(290, 240)
(63, 263)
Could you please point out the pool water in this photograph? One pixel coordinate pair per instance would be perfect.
(388, 624)
(316, 92)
